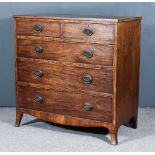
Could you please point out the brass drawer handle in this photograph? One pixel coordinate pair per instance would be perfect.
(88, 54)
(38, 99)
(87, 106)
(38, 49)
(37, 28)
(88, 31)
(38, 73)
(87, 79)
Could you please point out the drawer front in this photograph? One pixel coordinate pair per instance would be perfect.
(37, 28)
(89, 32)
(65, 103)
(66, 76)
(71, 52)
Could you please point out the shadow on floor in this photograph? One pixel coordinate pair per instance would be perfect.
(95, 130)
(98, 132)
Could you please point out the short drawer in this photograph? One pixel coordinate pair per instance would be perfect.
(67, 75)
(90, 32)
(61, 51)
(37, 28)
(66, 103)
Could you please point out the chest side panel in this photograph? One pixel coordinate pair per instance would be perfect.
(128, 59)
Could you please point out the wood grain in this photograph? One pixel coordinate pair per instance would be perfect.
(64, 51)
(128, 58)
(66, 76)
(49, 29)
(100, 32)
(67, 89)
(69, 40)
(66, 103)
(76, 19)
(65, 120)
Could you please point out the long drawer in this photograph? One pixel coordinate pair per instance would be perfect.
(66, 75)
(65, 103)
(63, 51)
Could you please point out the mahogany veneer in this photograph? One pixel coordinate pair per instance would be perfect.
(78, 71)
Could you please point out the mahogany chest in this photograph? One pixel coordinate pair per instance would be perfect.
(78, 71)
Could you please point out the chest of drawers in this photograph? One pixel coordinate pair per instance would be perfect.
(78, 71)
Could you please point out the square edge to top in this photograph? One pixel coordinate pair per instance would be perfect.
(82, 18)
